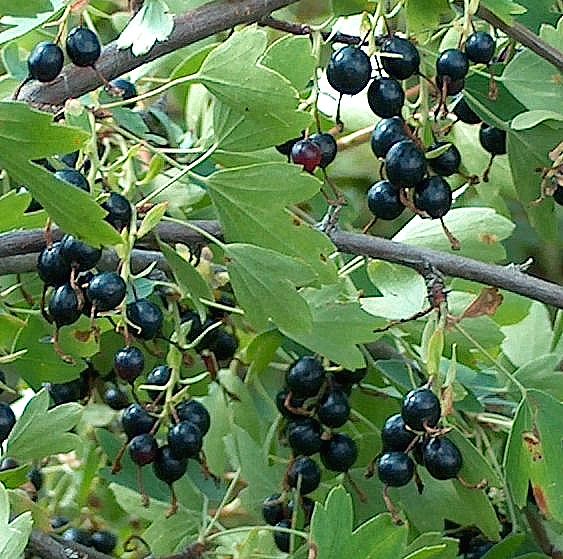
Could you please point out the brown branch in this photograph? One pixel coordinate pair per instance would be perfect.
(188, 28)
(503, 277)
(44, 546)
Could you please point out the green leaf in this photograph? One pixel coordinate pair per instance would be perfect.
(530, 119)
(12, 213)
(339, 326)
(507, 548)
(350, 7)
(265, 282)
(539, 12)
(542, 374)
(14, 477)
(431, 540)
(425, 16)
(504, 9)
(428, 552)
(13, 535)
(29, 8)
(152, 219)
(40, 432)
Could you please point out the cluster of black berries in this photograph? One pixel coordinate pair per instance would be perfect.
(101, 540)
(313, 404)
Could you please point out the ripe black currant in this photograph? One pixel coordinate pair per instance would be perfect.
(283, 539)
(66, 392)
(143, 449)
(223, 345)
(465, 113)
(135, 420)
(420, 409)
(78, 254)
(76, 178)
(387, 132)
(35, 477)
(273, 509)
(83, 46)
(384, 201)
(386, 97)
(8, 464)
(52, 268)
(339, 453)
(103, 541)
(350, 377)
(116, 398)
(185, 440)
(77, 535)
(405, 164)
(327, 145)
(146, 316)
(558, 195)
(119, 211)
(492, 139)
(304, 436)
(7, 421)
(395, 469)
(127, 89)
(448, 162)
(196, 413)
(349, 70)
(334, 410)
(281, 397)
(308, 471)
(58, 522)
(70, 159)
(480, 47)
(434, 196)
(394, 435)
(159, 376)
(167, 468)
(404, 67)
(128, 363)
(106, 291)
(45, 62)
(285, 148)
(307, 153)
(64, 306)
(442, 458)
(305, 377)
(452, 63)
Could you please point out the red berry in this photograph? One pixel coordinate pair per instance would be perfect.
(307, 153)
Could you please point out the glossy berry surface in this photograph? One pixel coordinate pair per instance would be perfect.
(64, 306)
(78, 254)
(103, 541)
(167, 468)
(53, 269)
(395, 469)
(349, 70)
(7, 421)
(492, 139)
(295, 403)
(480, 47)
(66, 392)
(196, 413)
(159, 376)
(135, 420)
(185, 440)
(8, 464)
(83, 46)
(116, 398)
(70, 159)
(146, 316)
(386, 97)
(350, 377)
(76, 535)
(404, 67)
(452, 63)
(76, 178)
(128, 363)
(305, 377)
(306, 153)
(45, 62)
(384, 202)
(421, 407)
(106, 291)
(405, 164)
(434, 196)
(465, 113)
(447, 163)
(334, 410)
(339, 453)
(119, 211)
(304, 436)
(273, 509)
(387, 133)
(327, 145)
(394, 435)
(308, 471)
(442, 458)
(126, 88)
(283, 539)
(143, 449)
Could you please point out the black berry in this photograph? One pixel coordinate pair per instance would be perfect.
(106, 291)
(304, 436)
(327, 145)
(452, 63)
(447, 163)
(185, 440)
(64, 306)
(83, 46)
(223, 345)
(558, 195)
(45, 62)
(35, 477)
(78, 254)
(285, 148)
(480, 47)
(283, 539)
(394, 435)
(434, 196)
(305, 377)
(8, 464)
(129, 363)
(103, 541)
(395, 469)
(442, 458)
(350, 377)
(492, 139)
(384, 201)
(127, 89)
(307, 153)
(465, 113)
(308, 471)
(7, 421)
(281, 397)
(404, 67)
(70, 159)
(119, 211)
(273, 509)
(334, 410)
(196, 413)
(76, 535)
(116, 398)
(143, 449)
(52, 268)
(421, 408)
(66, 392)
(58, 522)
(147, 316)
(167, 468)
(135, 420)
(159, 376)
(76, 178)
(405, 164)
(386, 97)
(339, 453)
(387, 133)
(349, 70)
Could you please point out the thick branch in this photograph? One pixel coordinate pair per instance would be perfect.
(504, 277)
(188, 28)
(44, 546)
